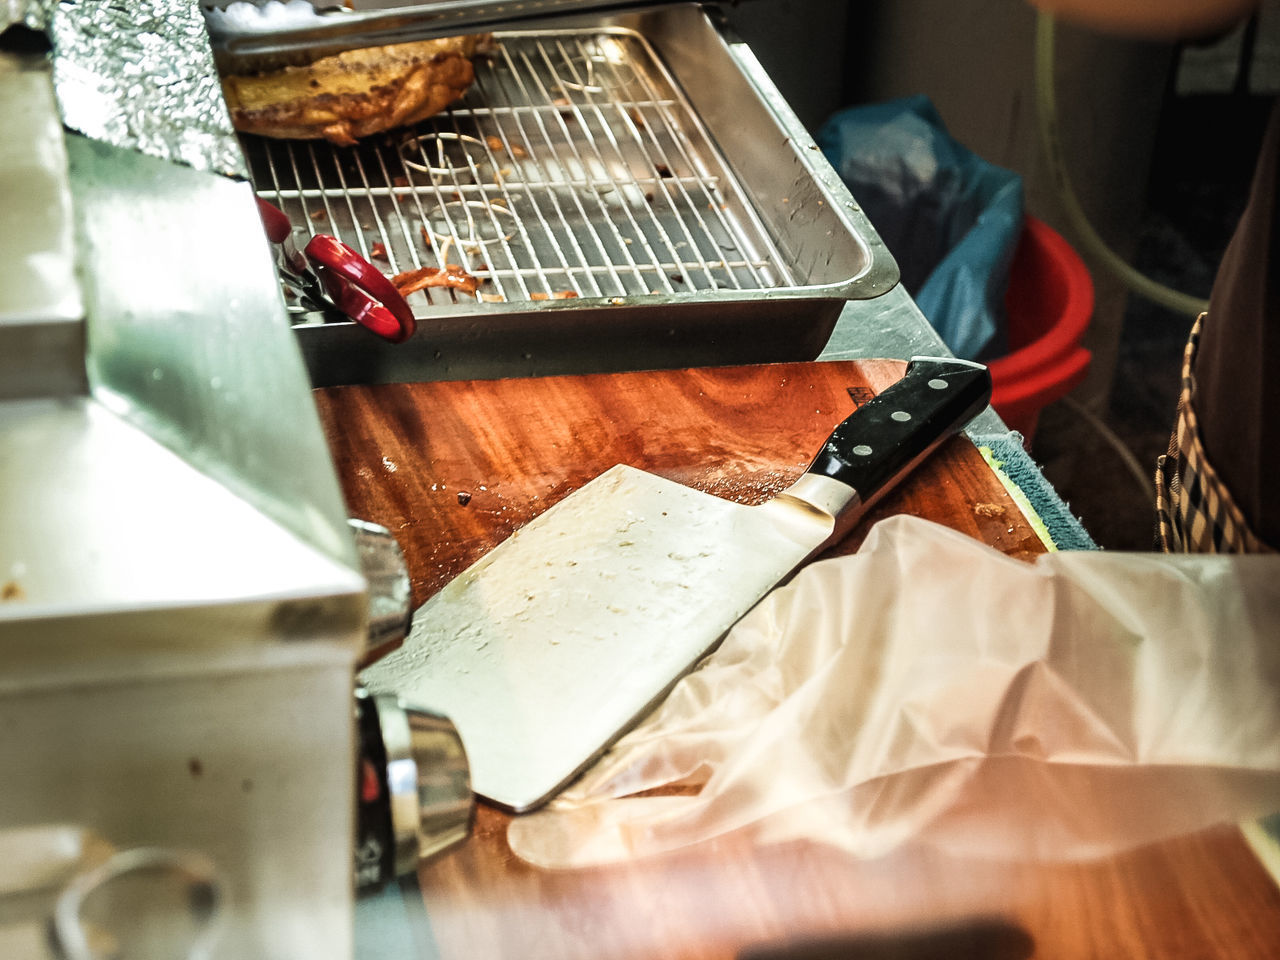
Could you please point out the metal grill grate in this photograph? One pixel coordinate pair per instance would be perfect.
(574, 166)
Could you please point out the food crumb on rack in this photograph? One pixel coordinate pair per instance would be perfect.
(557, 295)
(497, 146)
(451, 275)
(319, 214)
(379, 252)
(426, 236)
(493, 298)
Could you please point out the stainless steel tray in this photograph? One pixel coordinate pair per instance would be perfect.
(641, 162)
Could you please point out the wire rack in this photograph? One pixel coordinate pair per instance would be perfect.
(574, 167)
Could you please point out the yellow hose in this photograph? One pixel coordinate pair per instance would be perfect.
(1090, 243)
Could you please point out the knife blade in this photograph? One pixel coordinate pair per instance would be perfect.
(554, 643)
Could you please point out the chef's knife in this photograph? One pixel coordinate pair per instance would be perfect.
(546, 649)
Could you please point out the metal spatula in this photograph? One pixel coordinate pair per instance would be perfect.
(546, 649)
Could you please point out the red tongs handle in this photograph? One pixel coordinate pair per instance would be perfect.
(360, 289)
(356, 287)
(274, 220)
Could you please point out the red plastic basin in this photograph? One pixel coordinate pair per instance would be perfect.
(1049, 303)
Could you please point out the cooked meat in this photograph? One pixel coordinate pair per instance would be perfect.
(355, 93)
(411, 281)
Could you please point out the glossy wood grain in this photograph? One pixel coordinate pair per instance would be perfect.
(1203, 896)
(405, 454)
(451, 468)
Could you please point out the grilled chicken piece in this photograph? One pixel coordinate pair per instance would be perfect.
(355, 93)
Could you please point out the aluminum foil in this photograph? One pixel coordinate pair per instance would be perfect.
(139, 75)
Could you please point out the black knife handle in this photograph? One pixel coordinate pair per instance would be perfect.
(888, 435)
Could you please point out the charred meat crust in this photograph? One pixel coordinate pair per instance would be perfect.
(353, 94)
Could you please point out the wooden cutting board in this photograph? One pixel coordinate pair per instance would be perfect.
(406, 452)
(452, 468)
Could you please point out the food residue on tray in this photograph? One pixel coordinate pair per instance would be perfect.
(379, 252)
(451, 275)
(11, 591)
(557, 295)
(497, 146)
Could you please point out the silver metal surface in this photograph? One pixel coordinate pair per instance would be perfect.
(574, 166)
(429, 781)
(628, 162)
(188, 335)
(191, 468)
(104, 533)
(41, 310)
(180, 609)
(140, 76)
(383, 565)
(539, 670)
(446, 804)
(370, 23)
(243, 753)
(147, 902)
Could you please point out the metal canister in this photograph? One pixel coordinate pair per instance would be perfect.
(413, 789)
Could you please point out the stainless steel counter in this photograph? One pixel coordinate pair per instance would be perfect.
(180, 601)
(892, 325)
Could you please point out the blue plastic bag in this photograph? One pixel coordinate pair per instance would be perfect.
(951, 219)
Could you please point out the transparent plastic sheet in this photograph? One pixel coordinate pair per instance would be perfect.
(931, 689)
